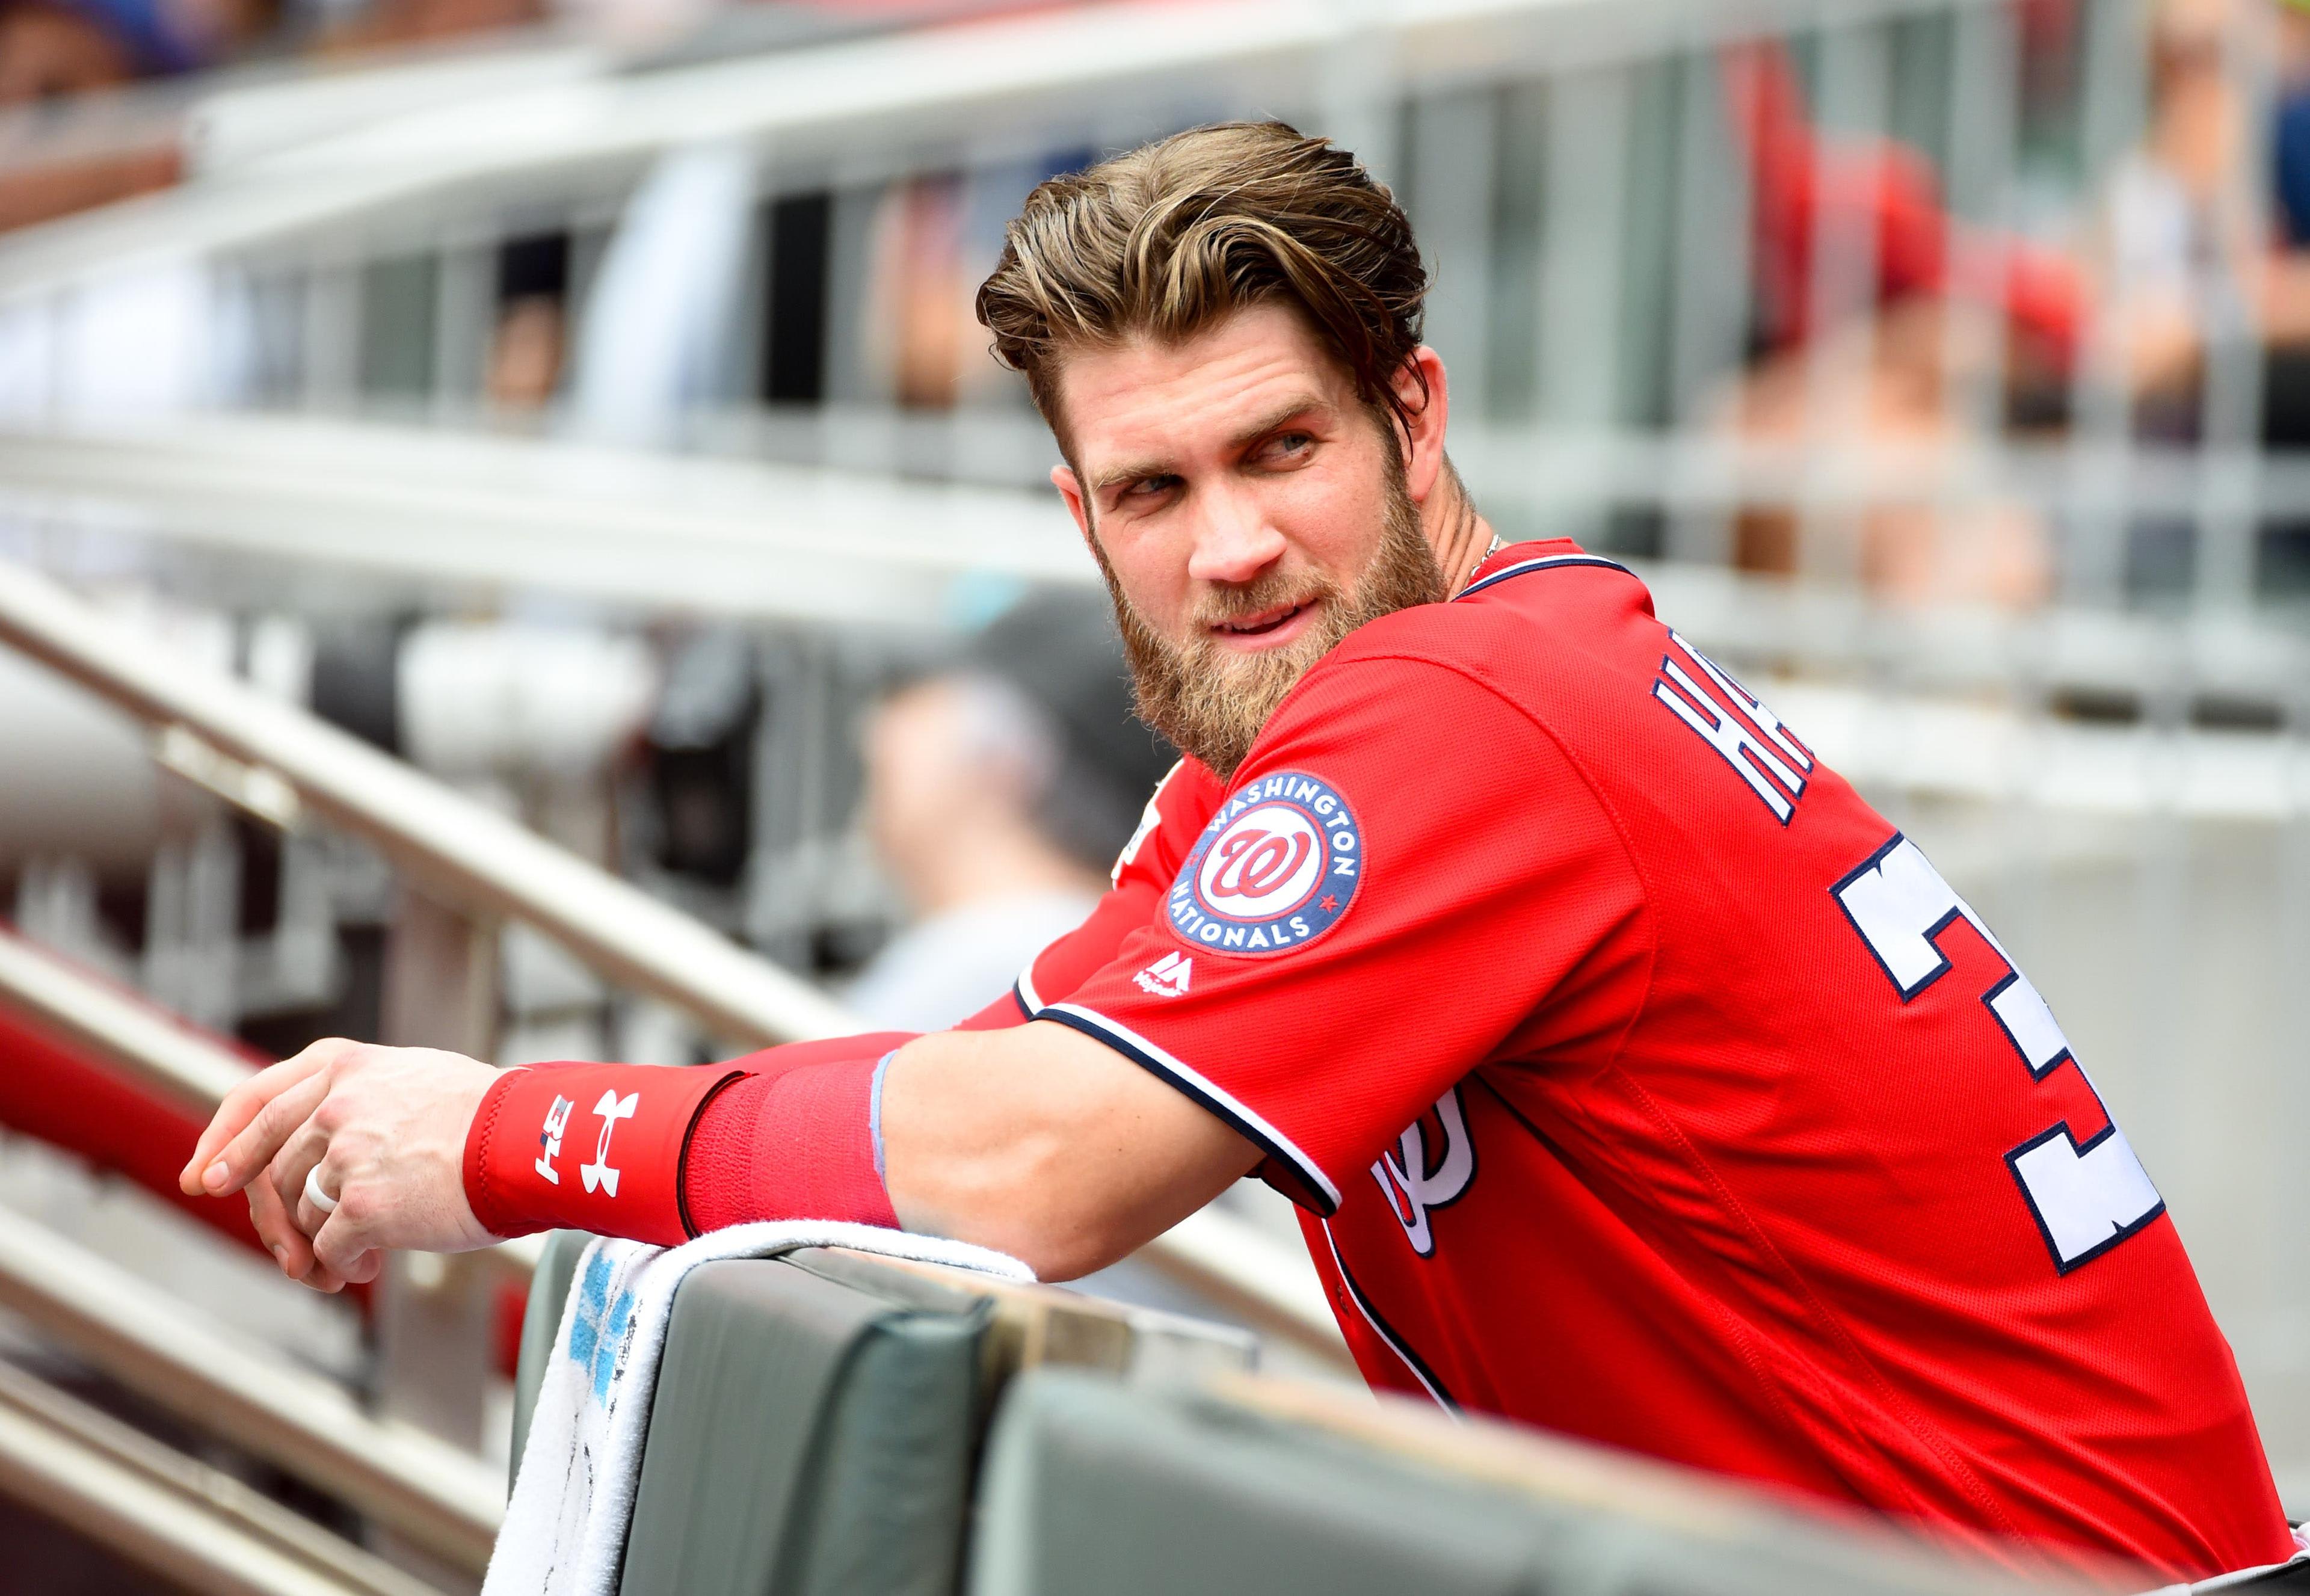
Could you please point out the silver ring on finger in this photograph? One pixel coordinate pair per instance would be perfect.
(319, 1198)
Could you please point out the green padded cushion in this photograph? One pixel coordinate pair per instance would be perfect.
(814, 1434)
(1092, 1488)
(541, 1321)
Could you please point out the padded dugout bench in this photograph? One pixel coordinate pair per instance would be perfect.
(819, 1416)
(1094, 1488)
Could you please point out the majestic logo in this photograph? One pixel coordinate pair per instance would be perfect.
(611, 1109)
(1168, 976)
(549, 1138)
(1277, 867)
(1413, 1184)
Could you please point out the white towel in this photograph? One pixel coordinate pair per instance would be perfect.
(565, 1529)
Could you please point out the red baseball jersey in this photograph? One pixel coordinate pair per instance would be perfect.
(1639, 1079)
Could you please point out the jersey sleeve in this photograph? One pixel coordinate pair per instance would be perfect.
(1408, 873)
(1174, 817)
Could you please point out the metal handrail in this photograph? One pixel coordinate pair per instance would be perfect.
(474, 858)
(189, 1524)
(278, 759)
(440, 1497)
(177, 1061)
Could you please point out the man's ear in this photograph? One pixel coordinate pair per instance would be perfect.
(1069, 486)
(1421, 435)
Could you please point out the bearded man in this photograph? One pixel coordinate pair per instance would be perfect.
(1632, 1076)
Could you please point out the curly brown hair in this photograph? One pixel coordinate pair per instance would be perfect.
(1165, 240)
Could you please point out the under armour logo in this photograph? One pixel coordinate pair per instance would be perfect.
(611, 1108)
(1412, 1187)
(549, 1137)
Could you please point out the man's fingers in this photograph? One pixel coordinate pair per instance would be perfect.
(245, 1102)
(344, 1246)
(288, 1243)
(290, 1246)
(255, 1146)
(299, 1156)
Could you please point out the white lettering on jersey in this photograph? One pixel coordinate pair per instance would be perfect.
(599, 1175)
(1167, 976)
(1149, 818)
(1412, 1187)
(1763, 719)
(2087, 1196)
(549, 1136)
(1765, 755)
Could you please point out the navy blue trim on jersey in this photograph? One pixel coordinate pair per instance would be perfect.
(1386, 1332)
(1020, 998)
(1317, 1193)
(1545, 562)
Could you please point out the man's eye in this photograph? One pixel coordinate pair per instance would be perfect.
(1150, 488)
(1289, 445)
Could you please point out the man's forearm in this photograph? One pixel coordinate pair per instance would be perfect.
(1034, 1140)
(1040, 1143)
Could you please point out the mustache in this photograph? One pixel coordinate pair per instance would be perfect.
(1268, 591)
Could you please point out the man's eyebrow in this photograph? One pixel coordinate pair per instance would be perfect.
(1135, 471)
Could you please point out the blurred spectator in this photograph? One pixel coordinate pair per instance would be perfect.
(52, 48)
(1938, 305)
(52, 51)
(654, 344)
(997, 794)
(387, 22)
(2284, 302)
(918, 291)
(1900, 362)
(525, 347)
(932, 242)
(2173, 240)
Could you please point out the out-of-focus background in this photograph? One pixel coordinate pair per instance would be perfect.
(579, 402)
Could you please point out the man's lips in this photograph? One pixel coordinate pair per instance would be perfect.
(1267, 627)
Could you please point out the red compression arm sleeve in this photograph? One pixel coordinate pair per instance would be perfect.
(674, 1154)
(589, 1146)
(796, 1140)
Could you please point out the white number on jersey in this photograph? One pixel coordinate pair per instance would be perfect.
(2085, 1197)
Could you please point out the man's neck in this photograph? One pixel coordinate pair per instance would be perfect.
(1460, 536)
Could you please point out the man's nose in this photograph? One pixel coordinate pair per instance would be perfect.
(1235, 540)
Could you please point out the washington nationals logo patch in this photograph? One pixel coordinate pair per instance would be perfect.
(1276, 868)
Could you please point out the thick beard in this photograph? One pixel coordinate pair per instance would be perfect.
(1211, 703)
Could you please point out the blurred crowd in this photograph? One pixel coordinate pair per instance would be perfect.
(2173, 272)
(2160, 291)
(54, 53)
(2177, 281)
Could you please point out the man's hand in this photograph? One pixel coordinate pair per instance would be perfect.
(386, 1129)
